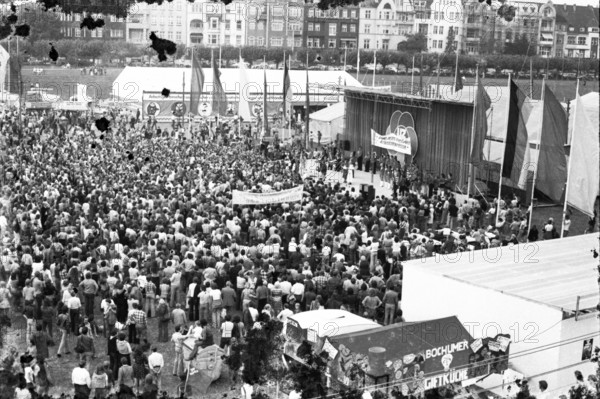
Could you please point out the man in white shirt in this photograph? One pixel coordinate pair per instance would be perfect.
(543, 385)
(156, 363)
(81, 380)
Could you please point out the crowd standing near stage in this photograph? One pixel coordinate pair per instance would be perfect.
(104, 231)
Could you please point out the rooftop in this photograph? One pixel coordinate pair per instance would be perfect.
(553, 273)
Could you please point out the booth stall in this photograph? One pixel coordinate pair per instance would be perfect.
(329, 121)
(543, 294)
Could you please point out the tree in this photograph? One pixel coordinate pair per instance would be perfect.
(307, 377)
(450, 41)
(414, 43)
(45, 25)
(260, 356)
(520, 46)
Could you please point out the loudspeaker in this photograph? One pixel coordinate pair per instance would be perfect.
(346, 145)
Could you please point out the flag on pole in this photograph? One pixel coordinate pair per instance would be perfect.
(421, 75)
(244, 105)
(197, 84)
(81, 94)
(306, 118)
(4, 56)
(516, 150)
(219, 98)
(287, 87)
(482, 105)
(458, 84)
(552, 160)
(584, 176)
(265, 112)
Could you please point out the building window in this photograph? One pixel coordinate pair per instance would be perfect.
(434, 45)
(162, 21)
(238, 25)
(367, 28)
(310, 27)
(471, 33)
(178, 36)
(252, 25)
(559, 53)
(367, 43)
(581, 40)
(352, 28)
(178, 20)
(227, 40)
(170, 21)
(435, 30)
(311, 13)
(295, 27)
(260, 41)
(250, 40)
(367, 14)
(227, 24)
(153, 20)
(332, 43)
(277, 41)
(298, 42)
(571, 40)
(214, 23)
(332, 29)
(352, 13)
(116, 33)
(277, 26)
(317, 27)
(170, 35)
(213, 40)
(386, 15)
(385, 44)
(261, 26)
(470, 49)
(441, 30)
(238, 40)
(99, 32)
(344, 28)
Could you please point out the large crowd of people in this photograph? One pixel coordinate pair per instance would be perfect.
(104, 231)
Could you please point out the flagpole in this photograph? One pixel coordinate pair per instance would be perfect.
(412, 76)
(291, 98)
(565, 206)
(456, 69)
(471, 167)
(437, 89)
(502, 161)
(306, 118)
(531, 79)
(374, 66)
(284, 93)
(219, 57)
(183, 98)
(345, 55)
(357, 62)
(265, 114)
(537, 160)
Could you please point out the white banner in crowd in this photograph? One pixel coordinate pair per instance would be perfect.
(275, 197)
(399, 143)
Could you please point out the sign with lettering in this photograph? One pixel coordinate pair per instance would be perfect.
(444, 379)
(275, 197)
(400, 136)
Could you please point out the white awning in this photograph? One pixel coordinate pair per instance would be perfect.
(547, 36)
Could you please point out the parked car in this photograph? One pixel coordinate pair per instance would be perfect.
(414, 70)
(506, 72)
(350, 68)
(401, 68)
(569, 75)
(491, 72)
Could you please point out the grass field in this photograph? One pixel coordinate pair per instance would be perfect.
(63, 82)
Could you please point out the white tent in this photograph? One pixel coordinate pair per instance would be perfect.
(543, 294)
(329, 121)
(590, 104)
(323, 85)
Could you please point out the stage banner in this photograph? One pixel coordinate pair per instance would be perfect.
(398, 143)
(275, 197)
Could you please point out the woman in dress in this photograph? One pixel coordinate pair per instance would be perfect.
(276, 295)
(140, 362)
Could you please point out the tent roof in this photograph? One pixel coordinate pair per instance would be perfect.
(330, 113)
(552, 273)
(407, 338)
(328, 322)
(133, 81)
(590, 104)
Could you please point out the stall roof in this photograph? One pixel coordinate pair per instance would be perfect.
(330, 322)
(133, 81)
(552, 273)
(330, 113)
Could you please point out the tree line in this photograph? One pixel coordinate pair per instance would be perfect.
(76, 51)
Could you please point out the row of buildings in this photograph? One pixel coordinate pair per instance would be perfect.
(556, 30)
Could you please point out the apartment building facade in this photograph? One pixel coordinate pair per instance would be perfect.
(334, 28)
(216, 24)
(275, 23)
(383, 24)
(168, 20)
(113, 29)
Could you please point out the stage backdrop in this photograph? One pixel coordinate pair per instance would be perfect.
(443, 128)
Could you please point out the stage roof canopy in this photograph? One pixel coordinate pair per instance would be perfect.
(552, 272)
(133, 81)
(330, 113)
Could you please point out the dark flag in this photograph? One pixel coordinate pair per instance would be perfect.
(552, 160)
(219, 98)
(516, 150)
(197, 84)
(482, 105)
